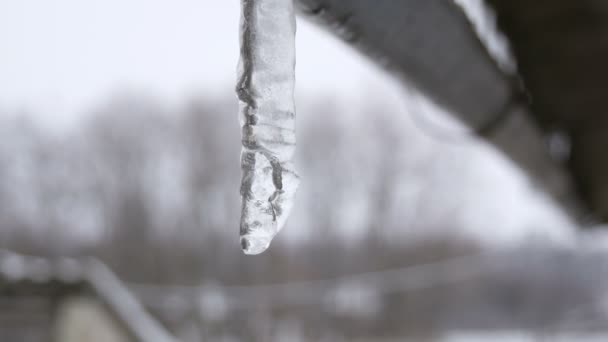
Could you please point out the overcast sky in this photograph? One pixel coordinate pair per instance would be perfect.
(58, 58)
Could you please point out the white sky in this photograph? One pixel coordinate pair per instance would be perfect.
(58, 58)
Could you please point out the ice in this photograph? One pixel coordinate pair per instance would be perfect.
(265, 89)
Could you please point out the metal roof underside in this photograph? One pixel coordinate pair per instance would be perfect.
(560, 48)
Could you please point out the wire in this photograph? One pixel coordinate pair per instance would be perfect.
(310, 292)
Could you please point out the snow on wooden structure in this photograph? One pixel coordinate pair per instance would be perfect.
(33, 291)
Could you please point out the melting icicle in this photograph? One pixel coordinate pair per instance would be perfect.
(267, 114)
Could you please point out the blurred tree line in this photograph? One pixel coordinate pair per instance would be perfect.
(153, 191)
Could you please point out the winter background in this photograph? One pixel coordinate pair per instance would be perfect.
(121, 140)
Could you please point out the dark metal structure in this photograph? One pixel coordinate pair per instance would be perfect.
(560, 48)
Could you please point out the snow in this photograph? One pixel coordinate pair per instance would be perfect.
(12, 267)
(213, 304)
(265, 87)
(520, 336)
(354, 299)
(483, 19)
(124, 304)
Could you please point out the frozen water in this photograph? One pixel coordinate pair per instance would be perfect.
(267, 114)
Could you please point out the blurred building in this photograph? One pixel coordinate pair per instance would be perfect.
(67, 300)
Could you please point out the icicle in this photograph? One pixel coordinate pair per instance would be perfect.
(267, 114)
